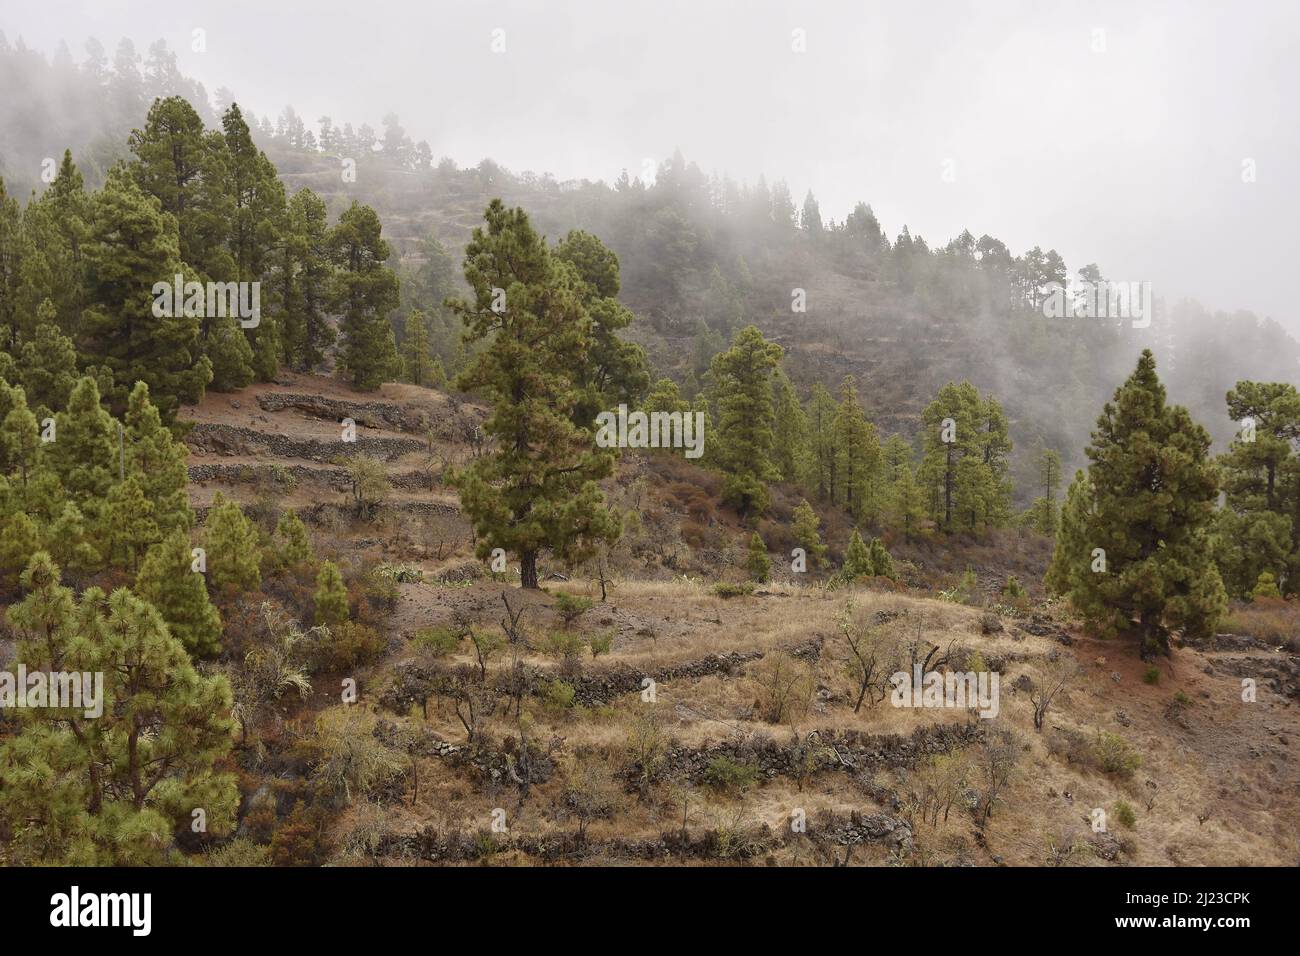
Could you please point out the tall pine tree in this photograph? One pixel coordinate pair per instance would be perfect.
(1133, 553)
(742, 384)
(537, 489)
(364, 291)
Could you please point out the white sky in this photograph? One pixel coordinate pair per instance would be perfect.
(1130, 157)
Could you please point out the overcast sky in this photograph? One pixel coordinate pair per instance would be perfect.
(1114, 132)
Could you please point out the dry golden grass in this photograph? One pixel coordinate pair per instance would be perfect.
(1202, 771)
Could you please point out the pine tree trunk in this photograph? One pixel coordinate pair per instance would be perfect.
(528, 569)
(947, 491)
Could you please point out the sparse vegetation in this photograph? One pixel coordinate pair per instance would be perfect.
(1115, 755)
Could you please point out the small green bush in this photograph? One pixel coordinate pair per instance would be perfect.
(728, 776)
(438, 641)
(1115, 755)
(1151, 675)
(558, 696)
(963, 591)
(1124, 814)
(571, 607)
(601, 643)
(351, 644)
(1265, 587)
(563, 644)
(380, 590)
(757, 563)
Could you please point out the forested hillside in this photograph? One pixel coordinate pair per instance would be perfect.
(306, 448)
(702, 255)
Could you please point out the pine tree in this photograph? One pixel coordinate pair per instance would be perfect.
(20, 442)
(743, 389)
(757, 563)
(52, 263)
(427, 287)
(11, 258)
(822, 448)
(1258, 530)
(168, 582)
(905, 501)
(1043, 513)
(132, 246)
(964, 461)
(790, 430)
(292, 543)
(435, 279)
(71, 545)
(664, 397)
(857, 559)
(882, 565)
(712, 444)
(302, 276)
(233, 554)
(158, 461)
(1145, 510)
(227, 350)
(112, 788)
(254, 230)
(857, 452)
(811, 219)
(1265, 587)
(20, 538)
(537, 489)
(723, 309)
(1070, 538)
(48, 363)
(807, 531)
(438, 375)
(995, 449)
(612, 371)
(415, 350)
(85, 453)
(363, 292)
(706, 344)
(331, 596)
(185, 168)
(130, 521)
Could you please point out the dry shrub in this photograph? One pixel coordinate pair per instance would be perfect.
(778, 536)
(299, 840)
(784, 687)
(1273, 620)
(694, 500)
(347, 646)
(697, 536)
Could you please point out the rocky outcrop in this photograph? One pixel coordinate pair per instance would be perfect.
(432, 846)
(336, 479)
(412, 680)
(326, 513)
(452, 423)
(1215, 643)
(595, 690)
(496, 766)
(848, 750)
(218, 439)
(1280, 673)
(1042, 626)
